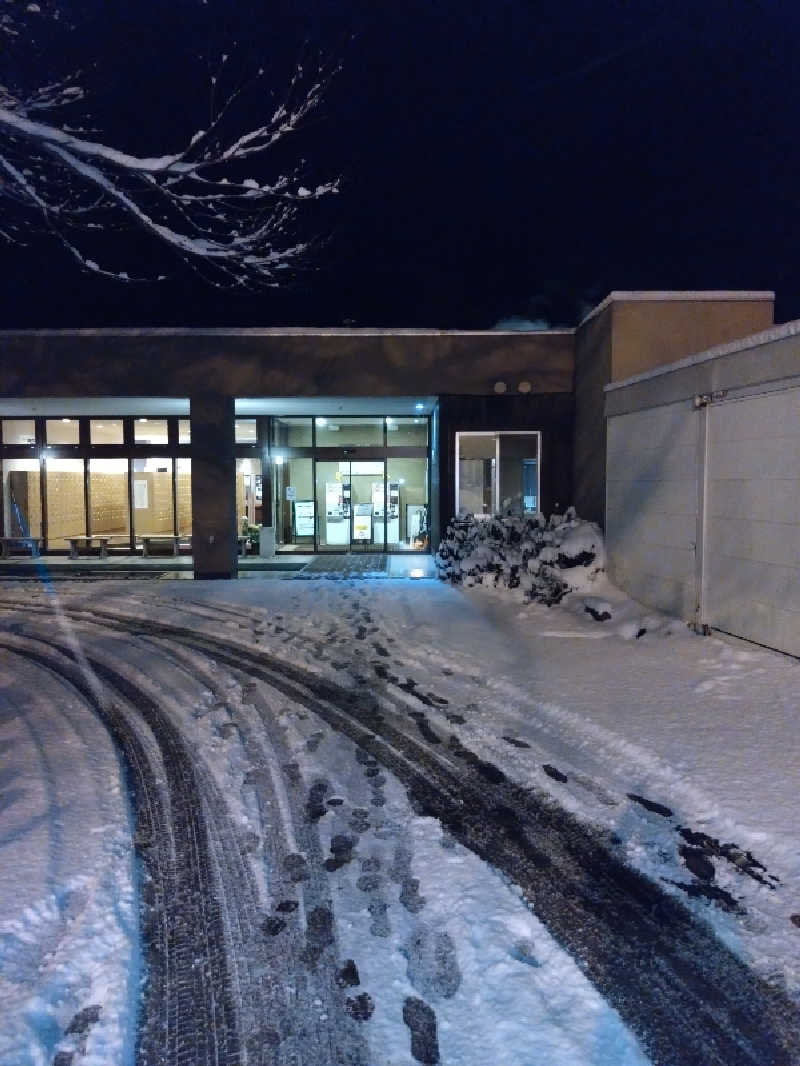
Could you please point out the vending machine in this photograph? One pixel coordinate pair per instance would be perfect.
(386, 512)
(337, 512)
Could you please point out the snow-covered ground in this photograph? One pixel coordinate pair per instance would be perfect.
(682, 751)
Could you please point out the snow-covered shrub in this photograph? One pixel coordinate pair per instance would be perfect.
(543, 559)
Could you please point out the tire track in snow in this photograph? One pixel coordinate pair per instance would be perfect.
(688, 998)
(188, 1012)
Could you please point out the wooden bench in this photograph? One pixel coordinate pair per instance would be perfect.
(34, 543)
(86, 541)
(149, 540)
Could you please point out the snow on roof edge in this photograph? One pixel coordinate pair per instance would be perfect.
(276, 331)
(753, 340)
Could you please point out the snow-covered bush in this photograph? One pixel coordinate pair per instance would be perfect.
(543, 559)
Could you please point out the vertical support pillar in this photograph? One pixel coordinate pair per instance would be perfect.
(435, 489)
(701, 407)
(214, 529)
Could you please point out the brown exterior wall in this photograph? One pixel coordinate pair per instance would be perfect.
(551, 415)
(266, 363)
(648, 334)
(593, 351)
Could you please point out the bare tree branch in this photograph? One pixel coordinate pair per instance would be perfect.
(193, 202)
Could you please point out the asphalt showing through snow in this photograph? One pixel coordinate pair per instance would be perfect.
(218, 964)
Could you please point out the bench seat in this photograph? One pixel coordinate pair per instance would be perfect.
(86, 540)
(33, 543)
(149, 540)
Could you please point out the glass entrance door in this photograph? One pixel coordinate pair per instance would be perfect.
(351, 505)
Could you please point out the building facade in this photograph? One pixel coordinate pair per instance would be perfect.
(322, 439)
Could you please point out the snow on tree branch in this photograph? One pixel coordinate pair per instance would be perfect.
(198, 201)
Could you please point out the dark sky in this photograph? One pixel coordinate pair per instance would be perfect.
(501, 158)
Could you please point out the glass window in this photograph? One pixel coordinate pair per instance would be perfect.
(184, 431)
(66, 511)
(105, 431)
(62, 431)
(497, 471)
(249, 500)
(476, 473)
(407, 512)
(108, 496)
(349, 432)
(291, 432)
(406, 432)
(293, 504)
(22, 501)
(183, 490)
(19, 431)
(152, 496)
(150, 431)
(519, 472)
(245, 430)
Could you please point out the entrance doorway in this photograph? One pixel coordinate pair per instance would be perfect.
(351, 505)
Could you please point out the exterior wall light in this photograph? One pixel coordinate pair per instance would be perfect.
(500, 386)
(524, 386)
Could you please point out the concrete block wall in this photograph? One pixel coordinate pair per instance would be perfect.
(651, 506)
(753, 518)
(740, 493)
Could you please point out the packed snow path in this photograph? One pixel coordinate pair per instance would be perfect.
(272, 756)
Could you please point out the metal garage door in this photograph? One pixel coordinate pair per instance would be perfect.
(751, 543)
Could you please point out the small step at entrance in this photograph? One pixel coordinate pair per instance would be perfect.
(362, 565)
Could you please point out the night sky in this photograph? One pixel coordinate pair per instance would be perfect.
(496, 159)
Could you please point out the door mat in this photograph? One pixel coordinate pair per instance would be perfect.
(367, 565)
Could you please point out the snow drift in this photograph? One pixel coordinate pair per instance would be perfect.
(543, 559)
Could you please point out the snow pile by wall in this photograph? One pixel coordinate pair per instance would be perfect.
(543, 559)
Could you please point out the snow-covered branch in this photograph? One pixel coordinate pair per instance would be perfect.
(234, 225)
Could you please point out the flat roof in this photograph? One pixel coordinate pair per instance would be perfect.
(278, 331)
(666, 296)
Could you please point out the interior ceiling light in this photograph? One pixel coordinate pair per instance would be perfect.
(322, 421)
(142, 419)
(416, 572)
(419, 406)
(66, 419)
